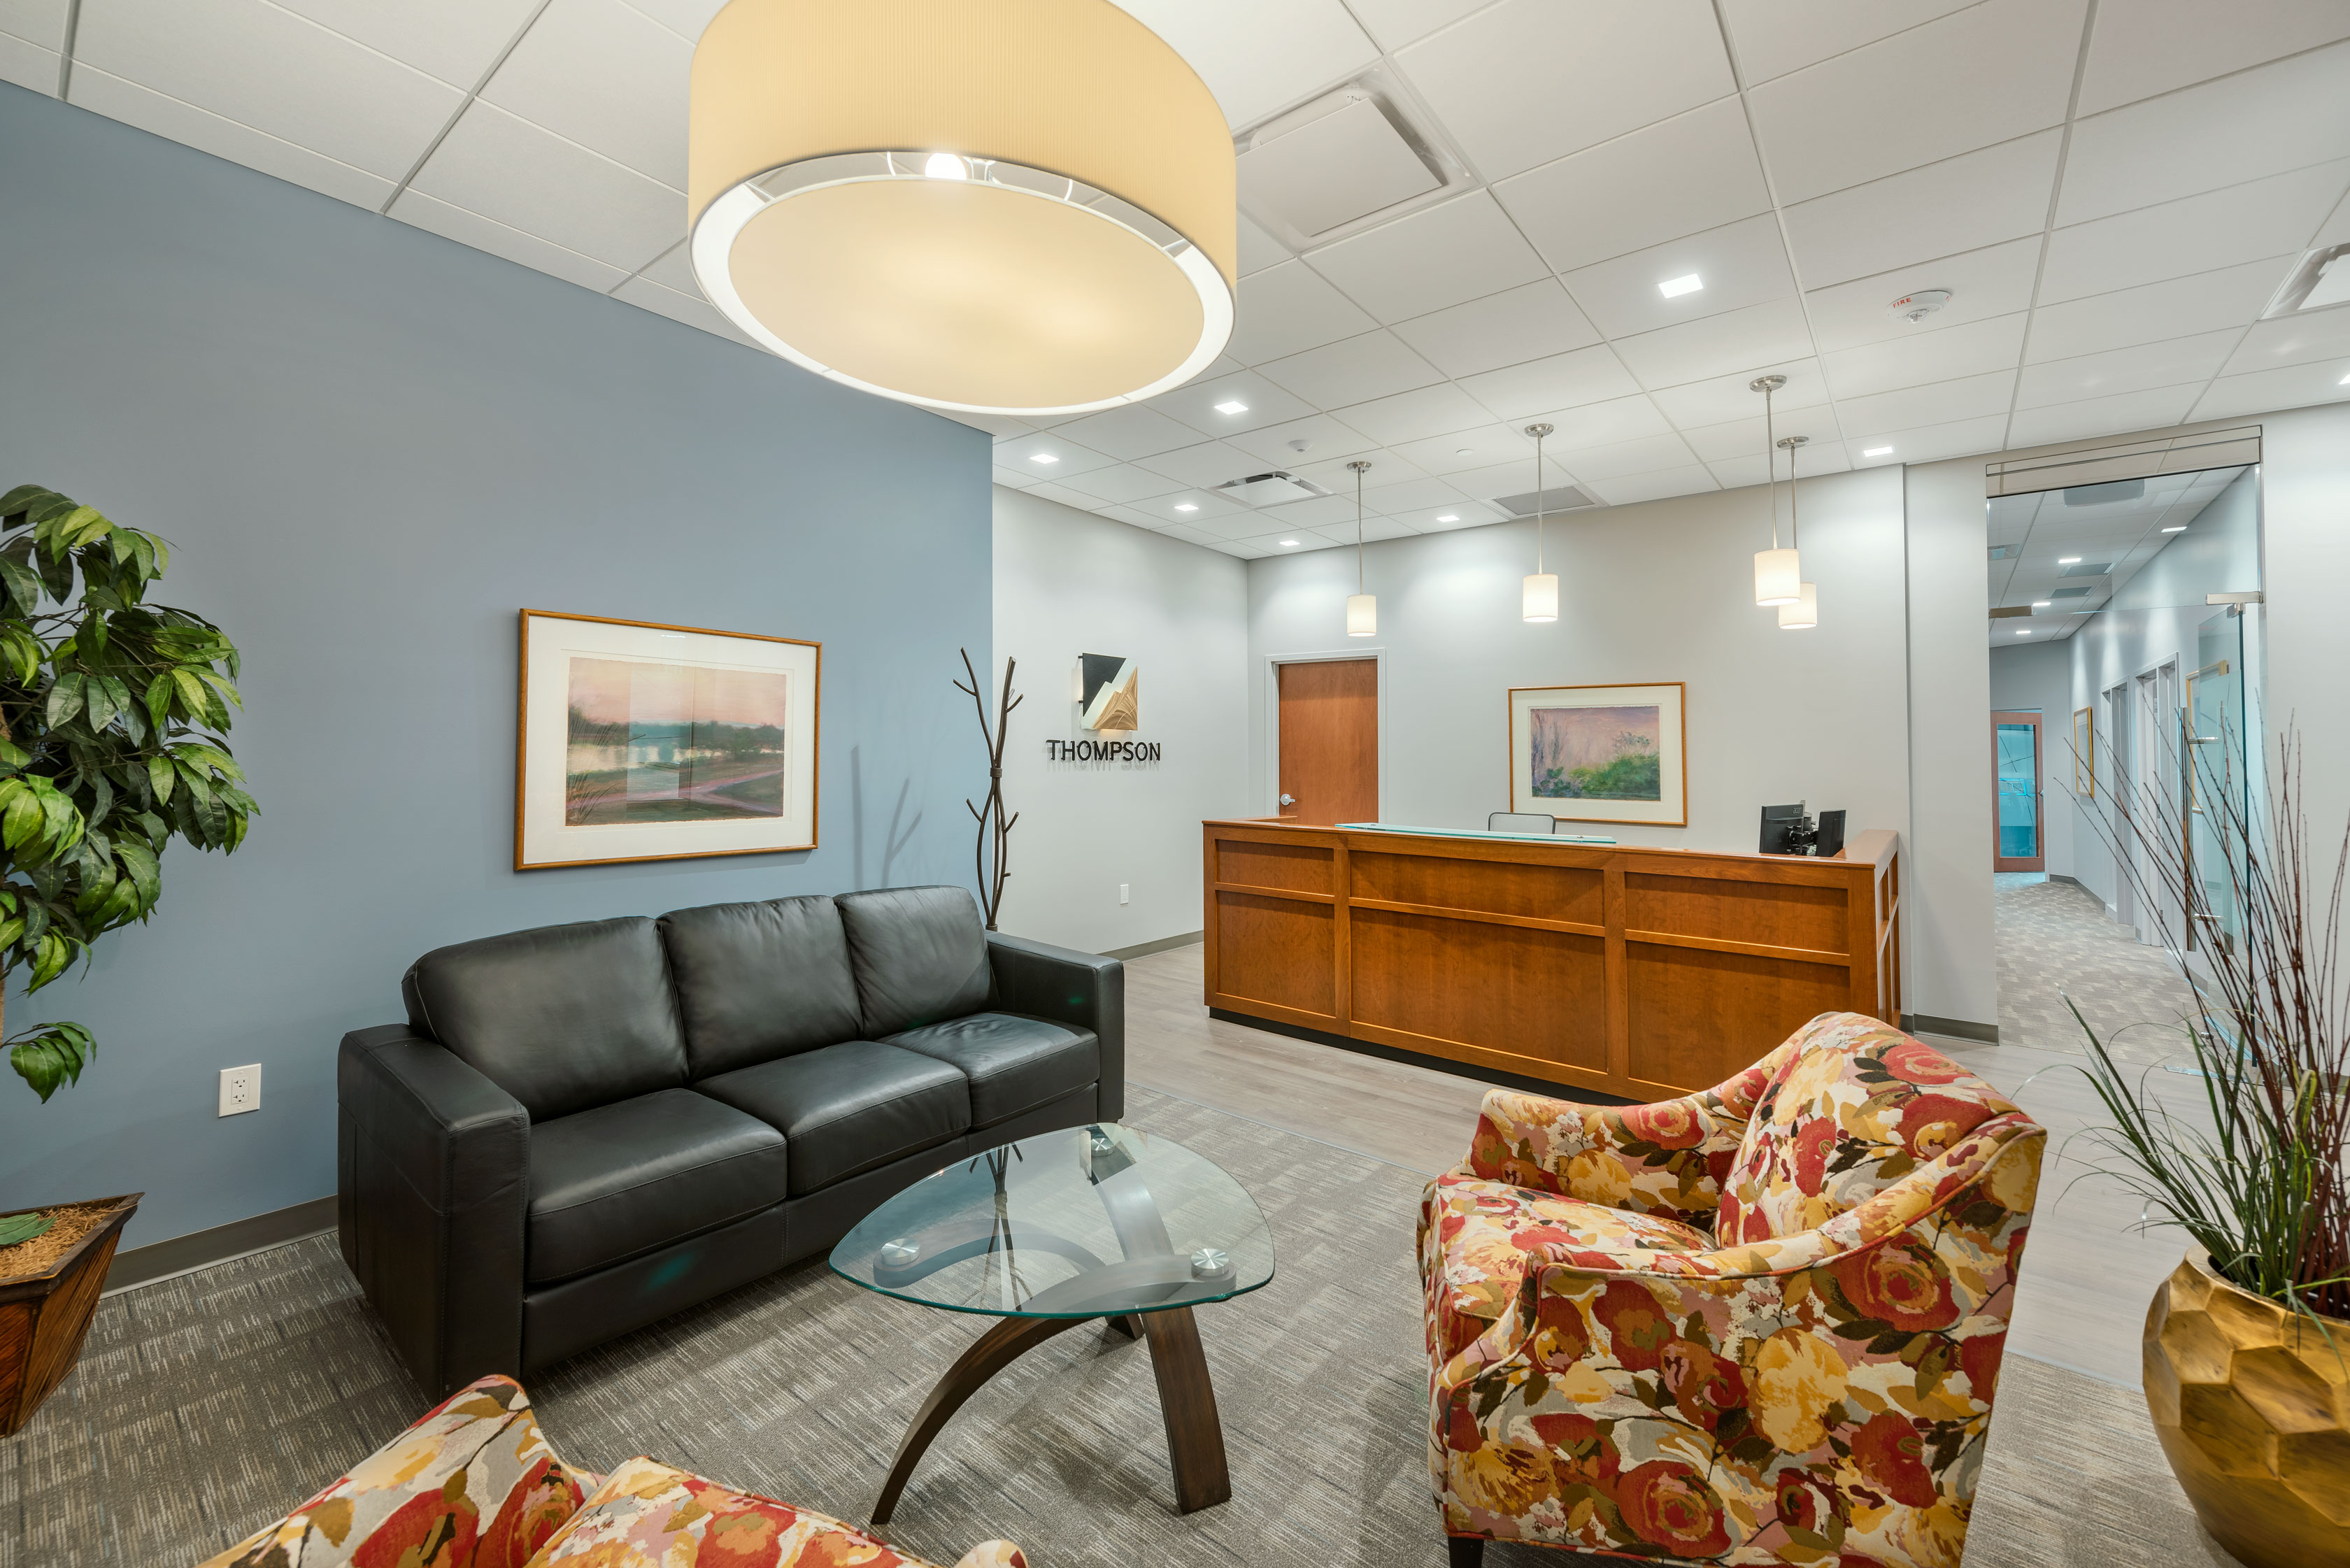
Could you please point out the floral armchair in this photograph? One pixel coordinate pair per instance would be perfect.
(473, 1484)
(1758, 1325)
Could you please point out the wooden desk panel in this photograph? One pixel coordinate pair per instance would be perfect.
(1641, 973)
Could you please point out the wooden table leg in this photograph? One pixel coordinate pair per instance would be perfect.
(1195, 1437)
(998, 1348)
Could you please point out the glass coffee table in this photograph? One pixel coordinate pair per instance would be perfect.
(1062, 1228)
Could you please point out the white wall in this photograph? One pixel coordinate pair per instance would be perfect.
(2306, 541)
(2037, 678)
(1067, 583)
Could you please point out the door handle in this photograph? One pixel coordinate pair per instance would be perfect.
(1289, 800)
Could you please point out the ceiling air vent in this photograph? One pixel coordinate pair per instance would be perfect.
(2070, 593)
(1560, 498)
(1353, 158)
(2323, 278)
(1270, 489)
(2087, 569)
(2005, 552)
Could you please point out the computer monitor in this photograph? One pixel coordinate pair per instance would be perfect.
(1781, 827)
(1831, 840)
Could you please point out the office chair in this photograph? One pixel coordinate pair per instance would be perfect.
(1519, 821)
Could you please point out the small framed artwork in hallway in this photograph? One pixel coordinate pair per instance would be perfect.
(2018, 839)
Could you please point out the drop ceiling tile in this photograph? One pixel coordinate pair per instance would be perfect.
(1255, 56)
(1331, 473)
(2169, 363)
(1246, 549)
(1395, 23)
(1322, 511)
(29, 65)
(1324, 438)
(1719, 345)
(1412, 416)
(686, 18)
(1298, 544)
(455, 40)
(1374, 530)
(2287, 387)
(1194, 506)
(1994, 281)
(1067, 495)
(2200, 234)
(1692, 172)
(1258, 249)
(608, 78)
(1821, 458)
(1614, 460)
(1775, 36)
(2177, 306)
(279, 74)
(1373, 365)
(1723, 398)
(1012, 479)
(1940, 355)
(1962, 203)
(2129, 411)
(40, 23)
(1463, 451)
(691, 309)
(1506, 328)
(1207, 465)
(1120, 483)
(1526, 81)
(2145, 47)
(110, 96)
(1656, 486)
(993, 424)
(1439, 256)
(1191, 535)
(1289, 308)
(1736, 439)
(1444, 519)
(673, 268)
(1413, 496)
(1741, 264)
(1601, 425)
(1987, 74)
(1489, 484)
(1931, 444)
(1128, 433)
(2223, 132)
(2294, 339)
(1262, 403)
(1945, 402)
(1047, 456)
(485, 234)
(1562, 381)
(531, 179)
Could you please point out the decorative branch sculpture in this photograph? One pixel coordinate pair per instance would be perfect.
(993, 823)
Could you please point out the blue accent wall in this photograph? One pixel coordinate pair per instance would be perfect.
(369, 447)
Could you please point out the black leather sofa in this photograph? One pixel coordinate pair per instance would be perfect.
(583, 1129)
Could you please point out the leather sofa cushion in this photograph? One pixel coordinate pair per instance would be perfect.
(756, 982)
(1014, 1064)
(609, 1183)
(849, 1108)
(562, 1017)
(920, 954)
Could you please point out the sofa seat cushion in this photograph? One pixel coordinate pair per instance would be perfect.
(608, 1184)
(1014, 1064)
(848, 1108)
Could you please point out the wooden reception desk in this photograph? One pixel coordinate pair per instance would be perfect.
(1640, 972)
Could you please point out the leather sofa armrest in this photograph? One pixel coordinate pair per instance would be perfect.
(1067, 987)
(433, 1185)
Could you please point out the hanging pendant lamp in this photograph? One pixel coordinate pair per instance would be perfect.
(1538, 600)
(1804, 613)
(1362, 608)
(986, 206)
(1778, 575)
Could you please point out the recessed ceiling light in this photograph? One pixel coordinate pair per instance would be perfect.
(1232, 406)
(2023, 634)
(2041, 604)
(2068, 560)
(1185, 507)
(1878, 451)
(2179, 528)
(2344, 381)
(1289, 543)
(1674, 287)
(1449, 517)
(1041, 457)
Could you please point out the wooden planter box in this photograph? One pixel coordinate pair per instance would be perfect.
(43, 1319)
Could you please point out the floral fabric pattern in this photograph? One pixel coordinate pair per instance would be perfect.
(474, 1484)
(1813, 1388)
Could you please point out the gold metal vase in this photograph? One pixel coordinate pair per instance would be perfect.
(2251, 1401)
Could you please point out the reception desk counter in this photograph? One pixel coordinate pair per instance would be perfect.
(1634, 971)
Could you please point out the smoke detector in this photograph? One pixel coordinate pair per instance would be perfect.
(1270, 489)
(1915, 308)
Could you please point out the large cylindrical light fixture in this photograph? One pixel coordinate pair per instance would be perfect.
(1538, 595)
(1778, 575)
(986, 206)
(1804, 613)
(1362, 608)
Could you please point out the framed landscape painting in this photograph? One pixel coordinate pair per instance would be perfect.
(644, 742)
(1600, 753)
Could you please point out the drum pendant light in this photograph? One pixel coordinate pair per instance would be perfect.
(1804, 613)
(1538, 599)
(1778, 575)
(1362, 608)
(985, 206)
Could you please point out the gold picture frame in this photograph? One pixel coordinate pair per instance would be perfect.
(2084, 752)
(1601, 753)
(636, 740)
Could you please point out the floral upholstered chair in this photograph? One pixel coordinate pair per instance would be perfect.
(474, 1484)
(1759, 1325)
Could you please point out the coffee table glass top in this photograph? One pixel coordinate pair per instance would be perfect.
(1096, 1222)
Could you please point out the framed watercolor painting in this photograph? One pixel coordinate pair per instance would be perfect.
(2084, 752)
(1600, 753)
(644, 742)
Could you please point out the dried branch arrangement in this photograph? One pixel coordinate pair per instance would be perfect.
(994, 828)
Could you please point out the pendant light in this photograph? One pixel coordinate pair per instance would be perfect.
(1362, 608)
(987, 206)
(1778, 575)
(1804, 613)
(1539, 598)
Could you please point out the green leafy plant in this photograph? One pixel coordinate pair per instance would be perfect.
(111, 714)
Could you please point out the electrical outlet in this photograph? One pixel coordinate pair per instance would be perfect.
(1122, 892)
(240, 1090)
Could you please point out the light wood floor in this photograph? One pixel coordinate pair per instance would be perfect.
(2087, 1278)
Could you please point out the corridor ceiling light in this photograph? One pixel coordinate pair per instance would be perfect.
(1185, 507)
(2176, 528)
(1041, 457)
(2023, 633)
(2040, 603)
(1362, 608)
(1878, 451)
(1449, 517)
(1778, 575)
(2344, 381)
(986, 206)
(1674, 287)
(1232, 406)
(2068, 560)
(1287, 543)
(1538, 595)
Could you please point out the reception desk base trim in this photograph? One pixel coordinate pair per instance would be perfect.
(1495, 1076)
(1632, 972)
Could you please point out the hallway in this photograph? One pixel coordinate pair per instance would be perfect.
(2055, 941)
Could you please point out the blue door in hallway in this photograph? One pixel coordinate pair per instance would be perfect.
(2015, 793)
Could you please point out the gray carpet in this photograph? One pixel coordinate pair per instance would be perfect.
(2054, 940)
(206, 1406)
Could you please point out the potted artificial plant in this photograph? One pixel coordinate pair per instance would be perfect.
(110, 714)
(2247, 1345)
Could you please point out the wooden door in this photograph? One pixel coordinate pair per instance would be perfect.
(2018, 840)
(1330, 741)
